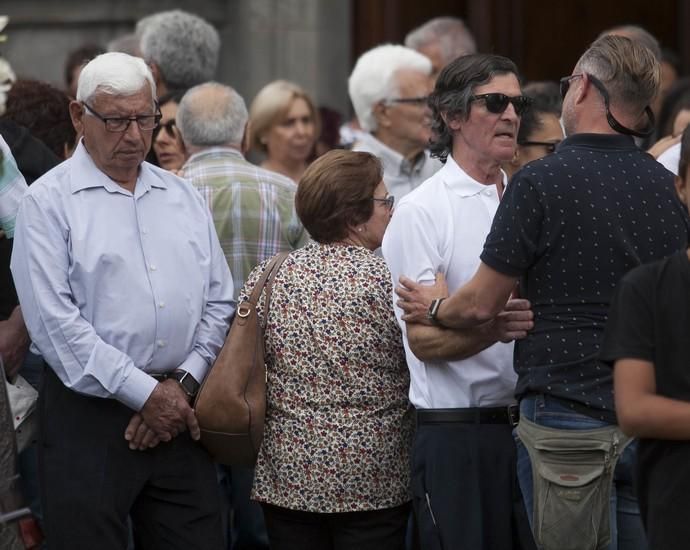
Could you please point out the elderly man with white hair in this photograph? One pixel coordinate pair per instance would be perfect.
(127, 296)
(388, 89)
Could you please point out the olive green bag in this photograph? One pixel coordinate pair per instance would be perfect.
(572, 473)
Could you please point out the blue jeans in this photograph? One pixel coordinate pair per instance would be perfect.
(627, 532)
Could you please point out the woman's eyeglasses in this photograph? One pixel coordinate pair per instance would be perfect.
(388, 201)
(550, 146)
(497, 103)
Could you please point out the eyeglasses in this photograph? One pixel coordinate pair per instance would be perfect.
(564, 83)
(169, 128)
(617, 126)
(497, 103)
(120, 124)
(421, 100)
(549, 145)
(388, 201)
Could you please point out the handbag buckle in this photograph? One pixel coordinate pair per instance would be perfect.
(243, 311)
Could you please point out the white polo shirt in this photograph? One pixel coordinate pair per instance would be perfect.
(441, 226)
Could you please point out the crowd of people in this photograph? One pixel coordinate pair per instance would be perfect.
(475, 342)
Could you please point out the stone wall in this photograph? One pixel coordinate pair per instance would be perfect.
(307, 41)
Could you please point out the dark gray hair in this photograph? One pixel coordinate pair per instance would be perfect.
(183, 46)
(454, 87)
(212, 114)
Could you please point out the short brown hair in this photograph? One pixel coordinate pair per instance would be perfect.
(336, 191)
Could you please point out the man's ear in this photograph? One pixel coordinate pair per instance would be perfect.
(380, 112)
(157, 77)
(76, 113)
(246, 138)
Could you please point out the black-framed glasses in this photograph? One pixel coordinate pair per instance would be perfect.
(420, 100)
(389, 201)
(550, 146)
(120, 124)
(613, 123)
(497, 103)
(169, 127)
(564, 83)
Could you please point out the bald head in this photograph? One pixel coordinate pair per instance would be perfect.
(212, 114)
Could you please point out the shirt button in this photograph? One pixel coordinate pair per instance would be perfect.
(161, 305)
(152, 267)
(488, 192)
(161, 343)
(144, 231)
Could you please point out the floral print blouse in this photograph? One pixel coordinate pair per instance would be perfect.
(338, 425)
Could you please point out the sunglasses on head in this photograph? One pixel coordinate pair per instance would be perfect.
(497, 103)
(617, 126)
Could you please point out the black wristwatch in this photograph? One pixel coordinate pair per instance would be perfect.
(432, 313)
(189, 385)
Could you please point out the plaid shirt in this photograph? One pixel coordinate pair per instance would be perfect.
(253, 209)
(12, 188)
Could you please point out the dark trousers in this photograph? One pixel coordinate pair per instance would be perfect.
(370, 530)
(465, 489)
(91, 481)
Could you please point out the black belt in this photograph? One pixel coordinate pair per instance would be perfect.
(510, 414)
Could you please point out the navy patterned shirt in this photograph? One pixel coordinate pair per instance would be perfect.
(571, 225)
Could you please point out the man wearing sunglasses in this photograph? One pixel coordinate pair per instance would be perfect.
(569, 227)
(462, 381)
(127, 296)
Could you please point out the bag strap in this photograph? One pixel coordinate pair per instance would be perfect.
(270, 268)
(269, 284)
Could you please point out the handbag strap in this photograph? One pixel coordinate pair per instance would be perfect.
(278, 261)
(266, 280)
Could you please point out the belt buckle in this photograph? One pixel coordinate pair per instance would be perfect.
(513, 414)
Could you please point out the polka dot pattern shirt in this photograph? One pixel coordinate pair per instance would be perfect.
(571, 225)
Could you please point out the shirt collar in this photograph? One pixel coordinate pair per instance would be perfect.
(461, 182)
(84, 174)
(392, 161)
(606, 141)
(213, 152)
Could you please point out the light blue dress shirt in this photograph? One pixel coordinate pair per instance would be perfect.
(115, 285)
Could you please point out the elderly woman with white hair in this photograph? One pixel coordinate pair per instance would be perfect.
(388, 88)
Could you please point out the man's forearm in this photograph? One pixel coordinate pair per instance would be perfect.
(443, 344)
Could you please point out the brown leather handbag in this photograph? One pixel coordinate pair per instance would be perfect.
(231, 403)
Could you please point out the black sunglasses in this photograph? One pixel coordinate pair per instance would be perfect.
(617, 126)
(169, 127)
(550, 146)
(497, 103)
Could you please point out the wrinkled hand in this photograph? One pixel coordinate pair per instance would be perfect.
(513, 322)
(14, 343)
(415, 298)
(168, 413)
(663, 144)
(139, 435)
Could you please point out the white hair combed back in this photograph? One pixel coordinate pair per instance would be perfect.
(212, 114)
(114, 73)
(374, 78)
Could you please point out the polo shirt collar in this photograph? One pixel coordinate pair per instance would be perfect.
(213, 152)
(461, 182)
(84, 174)
(599, 141)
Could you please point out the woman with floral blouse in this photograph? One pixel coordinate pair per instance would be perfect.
(333, 470)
